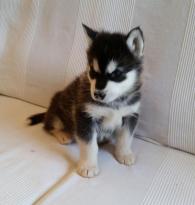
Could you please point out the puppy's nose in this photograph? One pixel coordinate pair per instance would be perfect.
(99, 95)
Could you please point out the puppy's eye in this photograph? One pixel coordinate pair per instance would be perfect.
(93, 74)
(116, 73)
(117, 76)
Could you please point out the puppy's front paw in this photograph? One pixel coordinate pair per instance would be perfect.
(87, 170)
(126, 159)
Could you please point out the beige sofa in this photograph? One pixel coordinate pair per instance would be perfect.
(42, 48)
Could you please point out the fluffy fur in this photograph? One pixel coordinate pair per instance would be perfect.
(102, 102)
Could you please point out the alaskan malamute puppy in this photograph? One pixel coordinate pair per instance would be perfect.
(102, 102)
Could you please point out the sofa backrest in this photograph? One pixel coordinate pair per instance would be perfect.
(42, 48)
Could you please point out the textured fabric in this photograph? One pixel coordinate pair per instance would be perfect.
(42, 49)
(182, 112)
(174, 183)
(168, 106)
(36, 40)
(163, 44)
(30, 160)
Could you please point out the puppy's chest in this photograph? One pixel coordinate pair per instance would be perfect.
(111, 120)
(106, 125)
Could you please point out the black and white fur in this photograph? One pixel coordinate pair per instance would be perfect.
(102, 102)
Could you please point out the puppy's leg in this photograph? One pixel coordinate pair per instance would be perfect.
(124, 138)
(123, 151)
(87, 141)
(88, 163)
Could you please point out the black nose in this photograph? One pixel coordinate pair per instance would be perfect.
(99, 95)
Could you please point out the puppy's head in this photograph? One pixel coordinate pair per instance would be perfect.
(114, 63)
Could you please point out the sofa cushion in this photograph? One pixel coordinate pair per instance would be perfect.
(168, 106)
(36, 40)
(30, 160)
(35, 168)
(173, 182)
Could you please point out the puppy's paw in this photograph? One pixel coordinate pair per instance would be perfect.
(87, 170)
(126, 159)
(62, 137)
(64, 140)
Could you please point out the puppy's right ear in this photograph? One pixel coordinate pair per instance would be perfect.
(90, 32)
(135, 42)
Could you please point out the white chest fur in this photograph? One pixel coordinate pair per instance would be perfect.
(112, 118)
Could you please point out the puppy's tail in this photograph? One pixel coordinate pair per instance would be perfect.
(36, 119)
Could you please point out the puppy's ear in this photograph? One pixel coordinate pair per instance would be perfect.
(90, 32)
(135, 42)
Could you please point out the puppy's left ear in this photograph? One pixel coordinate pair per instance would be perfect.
(90, 32)
(135, 42)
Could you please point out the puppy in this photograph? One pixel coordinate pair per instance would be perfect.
(103, 102)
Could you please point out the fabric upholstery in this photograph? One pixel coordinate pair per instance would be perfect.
(172, 183)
